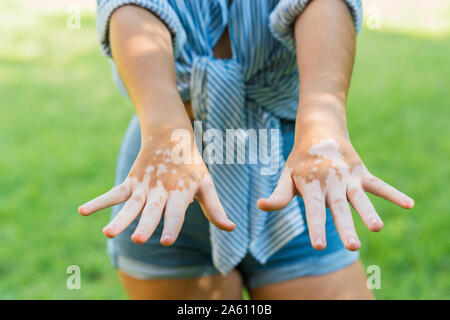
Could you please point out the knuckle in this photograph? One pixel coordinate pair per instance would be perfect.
(337, 202)
(354, 192)
(158, 201)
(315, 213)
(374, 180)
(175, 213)
(313, 202)
(339, 209)
(137, 198)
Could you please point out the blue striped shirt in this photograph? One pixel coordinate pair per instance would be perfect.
(254, 89)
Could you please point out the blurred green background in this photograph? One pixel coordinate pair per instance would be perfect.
(62, 121)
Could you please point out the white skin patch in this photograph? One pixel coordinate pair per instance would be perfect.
(331, 162)
(312, 187)
(140, 187)
(161, 169)
(153, 188)
(197, 176)
(333, 181)
(326, 148)
(184, 194)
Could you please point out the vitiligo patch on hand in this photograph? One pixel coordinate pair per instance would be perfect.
(327, 149)
(161, 169)
(330, 168)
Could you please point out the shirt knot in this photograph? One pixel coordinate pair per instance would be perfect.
(217, 84)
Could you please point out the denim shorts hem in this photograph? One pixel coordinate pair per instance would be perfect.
(142, 271)
(313, 267)
(253, 279)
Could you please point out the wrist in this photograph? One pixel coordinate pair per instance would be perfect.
(162, 118)
(317, 121)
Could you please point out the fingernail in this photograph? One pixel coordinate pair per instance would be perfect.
(374, 222)
(166, 237)
(409, 201)
(137, 236)
(351, 240)
(319, 242)
(229, 222)
(108, 230)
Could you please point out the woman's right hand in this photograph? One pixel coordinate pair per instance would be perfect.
(141, 45)
(157, 184)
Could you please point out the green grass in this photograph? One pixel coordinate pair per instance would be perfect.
(62, 121)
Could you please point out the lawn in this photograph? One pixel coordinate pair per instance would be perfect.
(62, 121)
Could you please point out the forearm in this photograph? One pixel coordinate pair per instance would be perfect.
(325, 43)
(323, 166)
(142, 51)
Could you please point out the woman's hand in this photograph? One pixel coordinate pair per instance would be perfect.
(326, 171)
(141, 46)
(160, 183)
(323, 167)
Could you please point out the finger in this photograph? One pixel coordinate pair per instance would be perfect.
(126, 215)
(380, 188)
(342, 216)
(174, 215)
(315, 211)
(281, 196)
(362, 204)
(150, 216)
(211, 206)
(116, 195)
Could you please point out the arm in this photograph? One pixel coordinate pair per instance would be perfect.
(142, 50)
(323, 167)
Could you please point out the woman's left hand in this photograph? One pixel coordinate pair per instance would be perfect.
(326, 171)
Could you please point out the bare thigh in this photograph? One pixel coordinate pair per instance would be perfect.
(207, 287)
(346, 283)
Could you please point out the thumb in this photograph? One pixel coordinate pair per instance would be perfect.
(282, 195)
(211, 206)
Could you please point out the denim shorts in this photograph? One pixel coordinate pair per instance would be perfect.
(190, 255)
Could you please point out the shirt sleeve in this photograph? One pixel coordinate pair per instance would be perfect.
(283, 17)
(160, 8)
